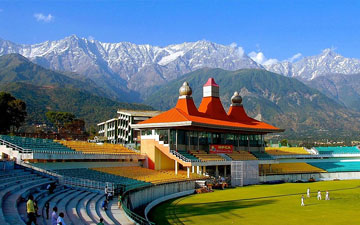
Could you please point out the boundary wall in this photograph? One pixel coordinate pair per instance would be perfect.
(134, 201)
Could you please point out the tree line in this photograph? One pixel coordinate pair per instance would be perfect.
(13, 115)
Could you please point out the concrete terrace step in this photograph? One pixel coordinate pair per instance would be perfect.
(20, 204)
(64, 202)
(113, 207)
(71, 209)
(45, 199)
(14, 182)
(10, 211)
(5, 193)
(102, 213)
(15, 172)
(15, 177)
(21, 207)
(82, 208)
(120, 215)
(55, 202)
(91, 208)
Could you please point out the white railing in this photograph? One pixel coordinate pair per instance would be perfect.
(183, 158)
(15, 147)
(67, 180)
(295, 156)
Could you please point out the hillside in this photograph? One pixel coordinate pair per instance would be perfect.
(17, 68)
(282, 101)
(91, 108)
(343, 88)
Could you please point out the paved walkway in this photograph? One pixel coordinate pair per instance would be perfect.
(119, 214)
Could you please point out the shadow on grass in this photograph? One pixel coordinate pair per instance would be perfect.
(186, 211)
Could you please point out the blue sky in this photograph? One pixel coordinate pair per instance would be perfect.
(279, 29)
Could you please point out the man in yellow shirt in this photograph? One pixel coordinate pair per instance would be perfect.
(30, 209)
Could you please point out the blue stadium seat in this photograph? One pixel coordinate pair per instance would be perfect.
(338, 166)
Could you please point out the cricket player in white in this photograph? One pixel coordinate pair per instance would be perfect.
(308, 192)
(302, 200)
(327, 196)
(319, 195)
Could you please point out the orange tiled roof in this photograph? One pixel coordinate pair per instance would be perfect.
(185, 111)
(211, 114)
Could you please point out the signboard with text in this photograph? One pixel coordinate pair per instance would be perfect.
(220, 149)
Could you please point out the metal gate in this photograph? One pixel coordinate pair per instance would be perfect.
(237, 173)
(244, 173)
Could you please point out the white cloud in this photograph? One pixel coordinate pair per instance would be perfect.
(239, 49)
(42, 18)
(260, 58)
(233, 45)
(90, 38)
(294, 57)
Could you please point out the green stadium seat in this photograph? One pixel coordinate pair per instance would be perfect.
(338, 150)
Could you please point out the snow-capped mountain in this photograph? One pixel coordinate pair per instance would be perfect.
(117, 65)
(308, 68)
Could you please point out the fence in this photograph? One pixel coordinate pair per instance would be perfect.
(15, 147)
(74, 181)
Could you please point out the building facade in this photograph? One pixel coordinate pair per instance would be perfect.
(118, 130)
(205, 137)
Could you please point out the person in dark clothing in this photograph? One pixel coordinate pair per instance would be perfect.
(36, 208)
(52, 187)
(47, 206)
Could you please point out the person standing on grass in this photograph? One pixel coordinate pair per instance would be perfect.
(54, 216)
(308, 192)
(327, 195)
(30, 209)
(319, 195)
(302, 200)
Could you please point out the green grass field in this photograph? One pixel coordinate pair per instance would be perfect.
(266, 204)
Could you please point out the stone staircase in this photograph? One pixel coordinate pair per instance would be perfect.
(81, 206)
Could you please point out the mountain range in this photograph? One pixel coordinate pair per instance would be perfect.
(118, 67)
(127, 72)
(45, 90)
(311, 67)
(282, 101)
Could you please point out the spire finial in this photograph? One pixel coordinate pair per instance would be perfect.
(236, 99)
(185, 89)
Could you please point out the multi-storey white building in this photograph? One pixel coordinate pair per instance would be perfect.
(118, 130)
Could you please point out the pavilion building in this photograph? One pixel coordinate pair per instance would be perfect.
(206, 137)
